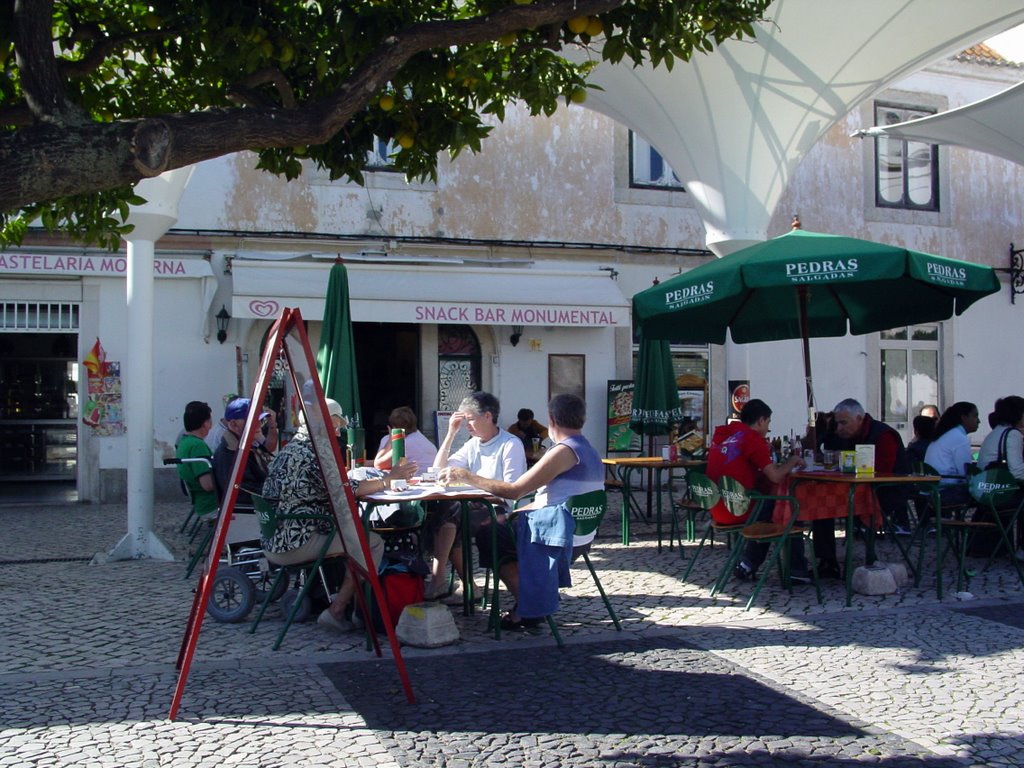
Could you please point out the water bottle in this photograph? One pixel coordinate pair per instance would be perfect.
(397, 446)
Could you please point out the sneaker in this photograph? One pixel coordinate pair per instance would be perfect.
(743, 571)
(431, 596)
(800, 576)
(327, 619)
(901, 530)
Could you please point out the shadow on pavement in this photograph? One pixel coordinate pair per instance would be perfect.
(644, 703)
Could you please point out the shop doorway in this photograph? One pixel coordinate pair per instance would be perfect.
(39, 408)
(388, 365)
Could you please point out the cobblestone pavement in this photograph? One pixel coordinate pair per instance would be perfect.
(87, 670)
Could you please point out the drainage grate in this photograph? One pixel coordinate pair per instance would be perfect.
(46, 560)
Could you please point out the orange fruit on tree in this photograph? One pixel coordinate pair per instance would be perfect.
(578, 95)
(405, 139)
(594, 26)
(578, 24)
(386, 102)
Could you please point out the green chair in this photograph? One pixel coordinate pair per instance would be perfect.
(491, 586)
(704, 493)
(587, 510)
(998, 493)
(268, 518)
(955, 521)
(738, 500)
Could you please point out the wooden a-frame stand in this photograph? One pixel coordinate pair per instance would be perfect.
(288, 335)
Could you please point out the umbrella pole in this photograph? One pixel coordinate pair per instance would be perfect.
(805, 338)
(650, 474)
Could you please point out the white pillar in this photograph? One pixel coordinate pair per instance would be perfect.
(151, 221)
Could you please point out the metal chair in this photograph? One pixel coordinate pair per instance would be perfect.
(999, 494)
(776, 535)
(587, 510)
(704, 493)
(307, 572)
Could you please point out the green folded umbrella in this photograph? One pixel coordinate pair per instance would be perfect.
(336, 357)
(808, 284)
(655, 393)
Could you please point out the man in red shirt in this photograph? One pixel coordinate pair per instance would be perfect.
(740, 450)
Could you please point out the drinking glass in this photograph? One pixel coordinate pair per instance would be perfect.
(829, 459)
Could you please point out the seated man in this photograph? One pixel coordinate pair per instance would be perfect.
(527, 428)
(490, 452)
(572, 467)
(197, 475)
(224, 456)
(855, 427)
(740, 451)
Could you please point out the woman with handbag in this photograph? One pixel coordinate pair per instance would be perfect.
(1004, 446)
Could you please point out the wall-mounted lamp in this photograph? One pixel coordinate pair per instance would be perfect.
(222, 324)
(517, 334)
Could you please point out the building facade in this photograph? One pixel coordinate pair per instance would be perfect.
(512, 273)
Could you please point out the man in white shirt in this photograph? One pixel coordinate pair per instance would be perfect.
(491, 452)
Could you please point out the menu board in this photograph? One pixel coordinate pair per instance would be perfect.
(621, 439)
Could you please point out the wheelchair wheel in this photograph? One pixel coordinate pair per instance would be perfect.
(263, 581)
(232, 596)
(305, 607)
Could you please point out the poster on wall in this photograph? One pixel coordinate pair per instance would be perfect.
(739, 395)
(103, 409)
(621, 439)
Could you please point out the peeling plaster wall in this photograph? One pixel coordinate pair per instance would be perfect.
(536, 179)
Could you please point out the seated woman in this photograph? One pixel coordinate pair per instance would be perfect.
(949, 452)
(418, 447)
(296, 485)
(1006, 440)
(1005, 443)
(924, 431)
(569, 468)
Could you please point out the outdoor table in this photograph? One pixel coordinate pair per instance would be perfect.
(435, 492)
(820, 495)
(627, 465)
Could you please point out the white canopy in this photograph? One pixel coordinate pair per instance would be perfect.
(734, 124)
(994, 125)
(386, 293)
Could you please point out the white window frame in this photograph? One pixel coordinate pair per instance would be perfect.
(641, 156)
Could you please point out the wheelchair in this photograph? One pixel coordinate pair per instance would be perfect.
(244, 575)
